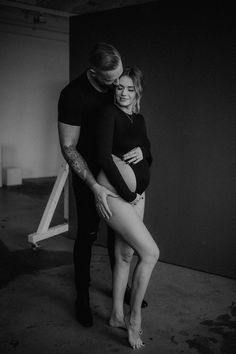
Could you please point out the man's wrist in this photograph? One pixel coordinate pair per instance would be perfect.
(94, 186)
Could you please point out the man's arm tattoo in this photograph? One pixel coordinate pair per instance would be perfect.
(78, 164)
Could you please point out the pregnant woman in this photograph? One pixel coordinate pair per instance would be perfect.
(124, 157)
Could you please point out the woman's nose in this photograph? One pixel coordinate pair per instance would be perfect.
(124, 91)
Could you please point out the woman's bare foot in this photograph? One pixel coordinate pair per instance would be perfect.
(134, 333)
(117, 322)
(120, 323)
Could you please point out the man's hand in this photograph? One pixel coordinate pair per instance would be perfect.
(133, 156)
(100, 194)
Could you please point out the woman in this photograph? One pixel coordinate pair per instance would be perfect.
(124, 157)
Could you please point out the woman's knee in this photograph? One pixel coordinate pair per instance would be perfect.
(156, 252)
(151, 256)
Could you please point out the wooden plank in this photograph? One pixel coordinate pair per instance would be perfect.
(53, 231)
(53, 200)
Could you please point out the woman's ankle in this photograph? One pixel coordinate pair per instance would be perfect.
(135, 320)
(117, 315)
(117, 320)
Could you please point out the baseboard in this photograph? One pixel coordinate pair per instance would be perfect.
(39, 180)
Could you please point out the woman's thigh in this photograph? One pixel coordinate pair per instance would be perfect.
(128, 224)
(122, 248)
(140, 206)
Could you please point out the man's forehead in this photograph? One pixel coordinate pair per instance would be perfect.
(112, 74)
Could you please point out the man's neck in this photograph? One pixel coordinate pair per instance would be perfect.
(94, 83)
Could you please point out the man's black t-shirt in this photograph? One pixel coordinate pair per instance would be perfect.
(79, 105)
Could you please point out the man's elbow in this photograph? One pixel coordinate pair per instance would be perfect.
(68, 149)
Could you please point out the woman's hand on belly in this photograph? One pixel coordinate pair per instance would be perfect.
(133, 156)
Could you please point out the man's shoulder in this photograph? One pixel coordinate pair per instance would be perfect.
(76, 84)
(73, 93)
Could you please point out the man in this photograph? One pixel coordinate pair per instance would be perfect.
(79, 104)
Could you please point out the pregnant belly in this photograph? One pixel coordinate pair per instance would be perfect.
(142, 174)
(126, 172)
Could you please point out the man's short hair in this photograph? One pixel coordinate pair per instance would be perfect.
(104, 57)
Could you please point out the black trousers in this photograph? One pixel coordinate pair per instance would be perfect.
(87, 229)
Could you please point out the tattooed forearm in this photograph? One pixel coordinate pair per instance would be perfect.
(78, 164)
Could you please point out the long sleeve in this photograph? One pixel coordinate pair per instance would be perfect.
(105, 134)
(146, 146)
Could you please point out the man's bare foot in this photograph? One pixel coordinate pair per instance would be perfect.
(133, 333)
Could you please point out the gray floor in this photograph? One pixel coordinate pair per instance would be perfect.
(188, 312)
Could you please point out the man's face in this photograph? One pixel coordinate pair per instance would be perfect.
(109, 78)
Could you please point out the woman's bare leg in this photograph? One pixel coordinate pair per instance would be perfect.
(123, 258)
(128, 224)
(123, 255)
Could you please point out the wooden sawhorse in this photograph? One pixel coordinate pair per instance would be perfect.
(44, 230)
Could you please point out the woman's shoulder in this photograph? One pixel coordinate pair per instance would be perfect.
(139, 116)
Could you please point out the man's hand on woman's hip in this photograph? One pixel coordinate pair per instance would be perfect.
(100, 194)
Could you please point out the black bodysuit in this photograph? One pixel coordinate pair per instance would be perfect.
(118, 134)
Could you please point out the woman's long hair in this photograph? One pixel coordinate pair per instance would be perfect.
(137, 77)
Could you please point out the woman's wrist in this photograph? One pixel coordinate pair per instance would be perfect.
(135, 201)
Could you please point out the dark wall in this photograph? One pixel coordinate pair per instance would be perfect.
(187, 56)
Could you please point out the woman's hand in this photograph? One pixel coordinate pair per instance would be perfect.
(100, 194)
(133, 156)
(137, 199)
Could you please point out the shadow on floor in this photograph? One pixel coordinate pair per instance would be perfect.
(189, 311)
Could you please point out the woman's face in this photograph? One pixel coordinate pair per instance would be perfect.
(125, 92)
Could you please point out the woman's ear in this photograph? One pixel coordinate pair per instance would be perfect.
(92, 71)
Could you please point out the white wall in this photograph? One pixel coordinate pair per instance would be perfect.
(33, 70)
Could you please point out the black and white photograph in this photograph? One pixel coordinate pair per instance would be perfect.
(117, 177)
